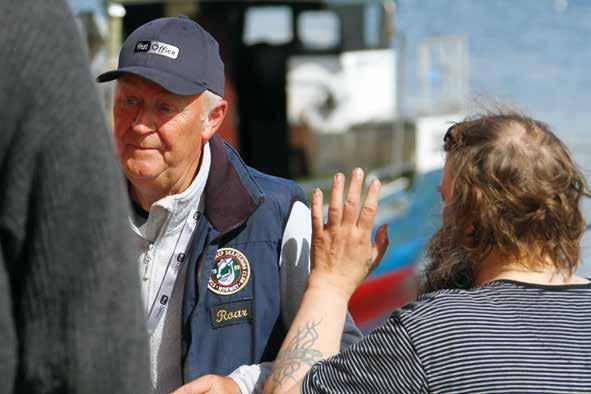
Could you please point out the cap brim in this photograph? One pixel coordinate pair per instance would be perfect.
(170, 82)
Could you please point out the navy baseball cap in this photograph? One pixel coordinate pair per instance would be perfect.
(175, 53)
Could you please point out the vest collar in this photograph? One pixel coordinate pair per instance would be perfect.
(231, 193)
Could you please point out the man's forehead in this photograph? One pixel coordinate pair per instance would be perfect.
(131, 81)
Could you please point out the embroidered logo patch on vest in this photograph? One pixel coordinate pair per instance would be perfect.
(230, 272)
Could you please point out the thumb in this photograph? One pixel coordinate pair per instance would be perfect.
(379, 247)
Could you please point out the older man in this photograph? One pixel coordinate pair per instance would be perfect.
(223, 249)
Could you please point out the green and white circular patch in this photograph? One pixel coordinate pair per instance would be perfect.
(230, 272)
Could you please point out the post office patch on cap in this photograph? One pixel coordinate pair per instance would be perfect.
(157, 48)
(230, 272)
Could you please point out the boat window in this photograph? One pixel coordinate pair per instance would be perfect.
(271, 25)
(319, 29)
(372, 25)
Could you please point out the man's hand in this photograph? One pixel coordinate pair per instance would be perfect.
(210, 384)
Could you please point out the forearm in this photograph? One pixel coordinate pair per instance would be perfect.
(314, 335)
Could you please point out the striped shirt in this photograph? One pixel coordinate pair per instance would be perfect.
(504, 337)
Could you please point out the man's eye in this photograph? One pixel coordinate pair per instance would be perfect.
(165, 109)
(131, 101)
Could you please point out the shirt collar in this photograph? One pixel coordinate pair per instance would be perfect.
(169, 213)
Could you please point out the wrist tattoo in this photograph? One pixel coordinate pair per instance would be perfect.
(299, 352)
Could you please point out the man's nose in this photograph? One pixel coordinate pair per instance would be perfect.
(144, 121)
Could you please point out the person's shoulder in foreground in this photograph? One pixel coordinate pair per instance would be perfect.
(70, 319)
(462, 341)
(495, 300)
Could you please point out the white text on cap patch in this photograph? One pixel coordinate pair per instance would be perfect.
(158, 48)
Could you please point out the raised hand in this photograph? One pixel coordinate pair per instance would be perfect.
(342, 253)
(342, 256)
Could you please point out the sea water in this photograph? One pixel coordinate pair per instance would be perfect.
(533, 55)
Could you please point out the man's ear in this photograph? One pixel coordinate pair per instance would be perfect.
(214, 120)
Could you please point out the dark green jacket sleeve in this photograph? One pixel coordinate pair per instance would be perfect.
(70, 317)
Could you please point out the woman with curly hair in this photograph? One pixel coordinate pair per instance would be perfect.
(501, 309)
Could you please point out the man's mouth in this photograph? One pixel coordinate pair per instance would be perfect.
(140, 147)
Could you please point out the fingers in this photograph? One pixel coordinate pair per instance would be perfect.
(353, 196)
(197, 386)
(347, 213)
(317, 217)
(209, 384)
(370, 207)
(378, 249)
(335, 208)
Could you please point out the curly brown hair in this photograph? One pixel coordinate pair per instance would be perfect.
(516, 190)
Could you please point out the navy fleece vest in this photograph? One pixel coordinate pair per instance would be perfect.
(246, 212)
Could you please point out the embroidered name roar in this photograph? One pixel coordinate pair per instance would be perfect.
(223, 315)
(231, 313)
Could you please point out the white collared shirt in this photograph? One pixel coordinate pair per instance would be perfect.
(157, 238)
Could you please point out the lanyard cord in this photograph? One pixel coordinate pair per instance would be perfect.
(173, 268)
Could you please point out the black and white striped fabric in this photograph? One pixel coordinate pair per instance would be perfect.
(505, 337)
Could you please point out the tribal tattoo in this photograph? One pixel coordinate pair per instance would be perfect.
(298, 352)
